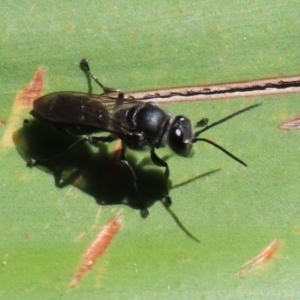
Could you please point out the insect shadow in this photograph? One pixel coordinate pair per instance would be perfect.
(93, 170)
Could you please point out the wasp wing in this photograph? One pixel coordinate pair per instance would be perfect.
(83, 109)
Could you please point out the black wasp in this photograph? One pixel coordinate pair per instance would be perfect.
(138, 124)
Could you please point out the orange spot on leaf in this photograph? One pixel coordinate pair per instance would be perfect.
(297, 231)
(2, 122)
(261, 259)
(79, 238)
(35, 88)
(97, 249)
(293, 124)
(114, 164)
(22, 102)
(115, 158)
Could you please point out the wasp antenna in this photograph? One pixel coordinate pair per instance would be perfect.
(225, 119)
(220, 148)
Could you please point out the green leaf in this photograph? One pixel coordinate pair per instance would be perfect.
(235, 212)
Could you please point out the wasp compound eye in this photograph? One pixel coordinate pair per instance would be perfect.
(180, 136)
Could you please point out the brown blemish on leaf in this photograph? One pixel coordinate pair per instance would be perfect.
(253, 88)
(23, 101)
(2, 122)
(76, 183)
(97, 249)
(261, 259)
(293, 124)
(80, 237)
(114, 166)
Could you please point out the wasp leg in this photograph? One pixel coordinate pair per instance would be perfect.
(161, 163)
(123, 160)
(91, 139)
(84, 64)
